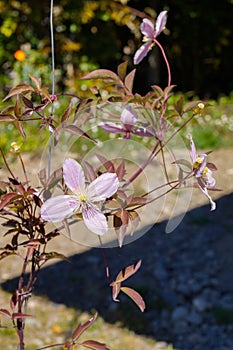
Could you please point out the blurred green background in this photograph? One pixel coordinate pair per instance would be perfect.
(93, 34)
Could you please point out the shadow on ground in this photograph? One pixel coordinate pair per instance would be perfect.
(196, 256)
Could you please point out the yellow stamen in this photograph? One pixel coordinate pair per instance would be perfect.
(197, 163)
(82, 197)
(145, 39)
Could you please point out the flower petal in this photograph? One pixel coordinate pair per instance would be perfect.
(111, 127)
(73, 175)
(103, 187)
(192, 149)
(147, 28)
(129, 117)
(142, 132)
(198, 171)
(95, 220)
(58, 208)
(205, 191)
(142, 52)
(210, 179)
(160, 22)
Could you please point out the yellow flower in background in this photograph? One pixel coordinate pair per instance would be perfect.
(20, 55)
(56, 329)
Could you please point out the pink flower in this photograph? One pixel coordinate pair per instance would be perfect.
(82, 198)
(129, 120)
(150, 34)
(202, 172)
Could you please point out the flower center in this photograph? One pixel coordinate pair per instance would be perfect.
(82, 197)
(145, 39)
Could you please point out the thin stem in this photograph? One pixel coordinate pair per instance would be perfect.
(105, 261)
(23, 167)
(166, 61)
(6, 164)
(140, 170)
(53, 84)
(52, 48)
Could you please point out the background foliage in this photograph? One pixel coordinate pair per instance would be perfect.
(198, 41)
(92, 34)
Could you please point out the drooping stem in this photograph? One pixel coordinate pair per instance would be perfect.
(166, 61)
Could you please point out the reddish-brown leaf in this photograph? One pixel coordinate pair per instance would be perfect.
(120, 222)
(20, 315)
(19, 89)
(18, 186)
(116, 287)
(53, 255)
(28, 103)
(17, 108)
(129, 79)
(73, 129)
(36, 81)
(7, 199)
(137, 201)
(179, 105)
(5, 313)
(6, 118)
(128, 271)
(67, 112)
(95, 345)
(82, 327)
(135, 296)
(6, 253)
(89, 171)
(109, 166)
(42, 176)
(121, 171)
(211, 166)
(134, 220)
(121, 70)
(20, 128)
(101, 74)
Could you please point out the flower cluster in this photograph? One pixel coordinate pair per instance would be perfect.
(129, 122)
(203, 172)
